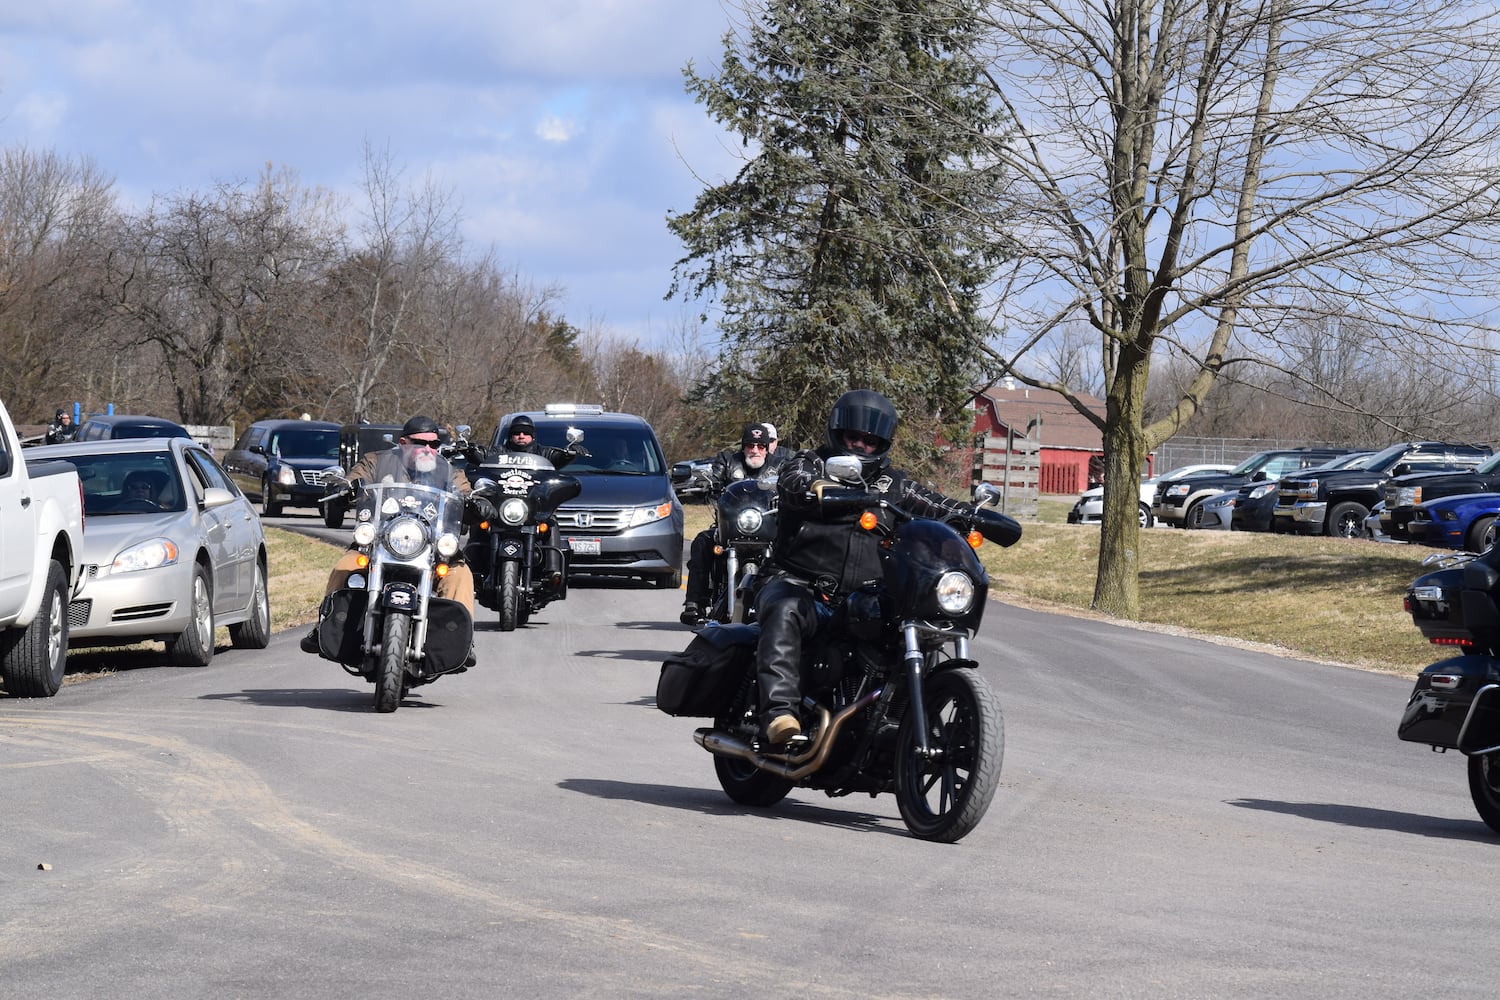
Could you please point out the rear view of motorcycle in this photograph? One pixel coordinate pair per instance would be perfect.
(1455, 704)
(899, 703)
(388, 626)
(519, 565)
(744, 527)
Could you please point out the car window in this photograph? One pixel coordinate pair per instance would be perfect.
(129, 483)
(208, 472)
(306, 442)
(614, 450)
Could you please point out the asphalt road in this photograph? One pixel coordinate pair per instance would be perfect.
(1175, 819)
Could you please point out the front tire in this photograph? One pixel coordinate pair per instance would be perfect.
(1481, 535)
(669, 581)
(1484, 788)
(511, 597)
(390, 675)
(255, 631)
(195, 646)
(1347, 520)
(35, 657)
(1144, 517)
(268, 506)
(944, 797)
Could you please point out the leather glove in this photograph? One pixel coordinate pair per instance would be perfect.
(578, 449)
(482, 509)
(352, 490)
(1002, 529)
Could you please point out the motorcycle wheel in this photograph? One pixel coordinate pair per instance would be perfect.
(511, 597)
(747, 784)
(944, 797)
(390, 678)
(1484, 788)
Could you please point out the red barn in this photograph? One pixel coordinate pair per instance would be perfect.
(1016, 427)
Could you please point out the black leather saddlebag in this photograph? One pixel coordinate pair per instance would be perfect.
(1442, 710)
(702, 679)
(450, 631)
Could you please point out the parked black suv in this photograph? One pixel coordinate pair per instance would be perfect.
(1336, 502)
(1404, 493)
(281, 462)
(1178, 500)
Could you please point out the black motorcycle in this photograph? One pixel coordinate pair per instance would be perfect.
(519, 564)
(900, 705)
(744, 527)
(387, 626)
(1455, 704)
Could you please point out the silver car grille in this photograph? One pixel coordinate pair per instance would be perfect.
(313, 477)
(591, 519)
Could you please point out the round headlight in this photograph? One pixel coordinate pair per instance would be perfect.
(364, 533)
(513, 511)
(405, 537)
(749, 521)
(955, 592)
(447, 544)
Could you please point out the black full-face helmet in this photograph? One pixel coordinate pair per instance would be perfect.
(869, 412)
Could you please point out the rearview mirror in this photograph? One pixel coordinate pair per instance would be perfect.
(845, 469)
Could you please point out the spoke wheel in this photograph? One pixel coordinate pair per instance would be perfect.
(390, 679)
(1347, 520)
(943, 796)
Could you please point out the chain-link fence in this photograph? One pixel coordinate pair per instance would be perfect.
(1181, 451)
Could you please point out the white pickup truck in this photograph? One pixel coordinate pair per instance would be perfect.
(41, 539)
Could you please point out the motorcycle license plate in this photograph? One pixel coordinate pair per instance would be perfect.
(584, 546)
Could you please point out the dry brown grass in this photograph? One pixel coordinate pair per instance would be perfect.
(1321, 598)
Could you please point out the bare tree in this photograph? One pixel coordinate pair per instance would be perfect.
(1189, 173)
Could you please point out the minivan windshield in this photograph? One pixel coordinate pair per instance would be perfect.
(612, 450)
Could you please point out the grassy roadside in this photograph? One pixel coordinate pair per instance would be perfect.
(1320, 598)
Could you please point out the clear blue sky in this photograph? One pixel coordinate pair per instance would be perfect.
(562, 127)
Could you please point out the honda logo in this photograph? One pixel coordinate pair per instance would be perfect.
(584, 519)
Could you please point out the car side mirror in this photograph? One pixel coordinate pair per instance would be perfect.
(1401, 470)
(257, 449)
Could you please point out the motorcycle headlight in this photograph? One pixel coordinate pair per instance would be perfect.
(405, 537)
(514, 511)
(364, 533)
(955, 592)
(447, 544)
(749, 521)
(145, 555)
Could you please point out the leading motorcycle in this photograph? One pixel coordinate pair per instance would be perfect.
(899, 702)
(1455, 703)
(519, 565)
(388, 626)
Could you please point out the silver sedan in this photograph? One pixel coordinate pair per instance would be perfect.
(171, 549)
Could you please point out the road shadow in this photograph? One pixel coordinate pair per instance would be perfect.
(324, 699)
(643, 655)
(713, 802)
(1440, 827)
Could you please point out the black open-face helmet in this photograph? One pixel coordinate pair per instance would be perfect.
(867, 411)
(419, 425)
(521, 423)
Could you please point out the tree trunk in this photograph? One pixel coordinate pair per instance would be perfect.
(1117, 587)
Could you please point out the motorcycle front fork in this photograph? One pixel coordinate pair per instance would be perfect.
(915, 659)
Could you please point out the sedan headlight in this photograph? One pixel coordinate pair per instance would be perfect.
(514, 511)
(645, 515)
(150, 554)
(286, 476)
(405, 537)
(955, 592)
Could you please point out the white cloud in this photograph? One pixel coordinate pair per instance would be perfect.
(555, 129)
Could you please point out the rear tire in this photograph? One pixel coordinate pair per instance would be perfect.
(1144, 517)
(944, 797)
(333, 514)
(255, 631)
(390, 677)
(1484, 788)
(36, 657)
(195, 646)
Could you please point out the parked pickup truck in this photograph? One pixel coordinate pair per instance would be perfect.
(41, 537)
(1404, 493)
(1179, 502)
(1336, 502)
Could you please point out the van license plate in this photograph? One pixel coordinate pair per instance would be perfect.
(584, 546)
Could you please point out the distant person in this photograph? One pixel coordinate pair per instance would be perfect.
(62, 429)
(751, 461)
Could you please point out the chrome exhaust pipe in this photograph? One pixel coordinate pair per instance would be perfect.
(789, 766)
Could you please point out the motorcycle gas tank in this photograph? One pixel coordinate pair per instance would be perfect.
(919, 553)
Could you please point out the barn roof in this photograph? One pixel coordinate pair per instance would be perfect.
(1001, 407)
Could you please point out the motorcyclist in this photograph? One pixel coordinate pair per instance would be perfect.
(415, 459)
(820, 552)
(521, 437)
(62, 428)
(753, 460)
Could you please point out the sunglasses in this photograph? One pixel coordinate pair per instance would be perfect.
(860, 437)
(756, 445)
(423, 442)
(517, 434)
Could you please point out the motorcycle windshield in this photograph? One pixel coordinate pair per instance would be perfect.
(381, 503)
